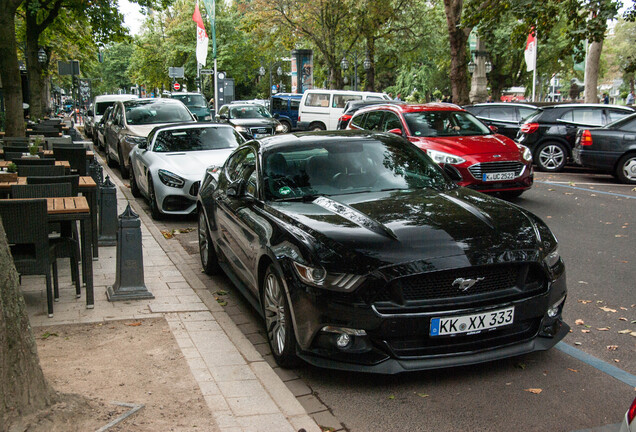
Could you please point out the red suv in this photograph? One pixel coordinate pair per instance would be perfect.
(470, 152)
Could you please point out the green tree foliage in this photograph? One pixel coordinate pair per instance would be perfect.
(113, 72)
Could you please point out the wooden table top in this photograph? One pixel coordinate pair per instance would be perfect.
(65, 164)
(64, 205)
(89, 153)
(85, 182)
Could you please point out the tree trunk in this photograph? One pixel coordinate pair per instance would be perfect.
(370, 73)
(23, 387)
(458, 37)
(9, 70)
(591, 71)
(34, 72)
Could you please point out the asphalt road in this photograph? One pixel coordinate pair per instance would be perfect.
(593, 217)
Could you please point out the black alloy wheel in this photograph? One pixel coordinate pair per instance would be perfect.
(209, 259)
(152, 198)
(278, 320)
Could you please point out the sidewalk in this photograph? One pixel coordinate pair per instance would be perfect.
(241, 390)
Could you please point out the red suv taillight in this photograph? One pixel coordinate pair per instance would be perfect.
(586, 138)
(529, 128)
(631, 413)
(345, 118)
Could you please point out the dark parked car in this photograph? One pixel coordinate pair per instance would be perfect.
(470, 152)
(353, 106)
(249, 119)
(610, 149)
(284, 108)
(361, 254)
(550, 132)
(506, 117)
(196, 103)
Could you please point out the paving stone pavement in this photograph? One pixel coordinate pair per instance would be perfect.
(242, 391)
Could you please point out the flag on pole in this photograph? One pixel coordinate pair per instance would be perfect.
(211, 9)
(531, 52)
(202, 36)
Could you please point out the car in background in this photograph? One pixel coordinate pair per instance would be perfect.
(471, 153)
(360, 254)
(353, 106)
(249, 119)
(168, 167)
(629, 422)
(99, 136)
(196, 103)
(550, 131)
(506, 117)
(611, 149)
(320, 109)
(284, 108)
(131, 122)
(98, 108)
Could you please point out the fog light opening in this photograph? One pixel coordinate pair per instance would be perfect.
(555, 309)
(346, 337)
(343, 341)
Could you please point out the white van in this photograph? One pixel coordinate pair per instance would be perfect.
(321, 109)
(97, 109)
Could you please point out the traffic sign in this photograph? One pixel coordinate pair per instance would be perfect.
(175, 72)
(176, 86)
(206, 71)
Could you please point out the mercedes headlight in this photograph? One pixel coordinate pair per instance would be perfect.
(241, 129)
(318, 277)
(279, 128)
(207, 118)
(444, 158)
(170, 179)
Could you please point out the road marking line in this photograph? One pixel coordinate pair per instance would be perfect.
(587, 190)
(582, 183)
(599, 364)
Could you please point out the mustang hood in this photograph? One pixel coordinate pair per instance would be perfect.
(192, 164)
(387, 228)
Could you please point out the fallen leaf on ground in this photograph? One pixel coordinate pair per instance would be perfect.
(48, 335)
(221, 302)
(521, 366)
(573, 370)
(549, 217)
(391, 397)
(135, 324)
(624, 308)
(585, 331)
(578, 343)
(617, 360)
(633, 334)
(422, 395)
(606, 309)
(619, 235)
(534, 390)
(602, 329)
(579, 322)
(221, 292)
(584, 301)
(624, 331)
(612, 347)
(622, 319)
(167, 234)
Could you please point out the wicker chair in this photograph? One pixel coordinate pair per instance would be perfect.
(12, 156)
(15, 140)
(34, 170)
(75, 155)
(72, 179)
(25, 223)
(67, 241)
(16, 148)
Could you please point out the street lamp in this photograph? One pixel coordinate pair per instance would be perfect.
(261, 71)
(471, 67)
(488, 66)
(367, 63)
(42, 56)
(344, 64)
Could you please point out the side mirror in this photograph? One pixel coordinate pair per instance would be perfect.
(143, 145)
(452, 172)
(493, 128)
(223, 117)
(276, 116)
(396, 131)
(235, 190)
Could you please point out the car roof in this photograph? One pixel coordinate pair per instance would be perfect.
(185, 93)
(298, 138)
(115, 98)
(287, 95)
(575, 105)
(411, 108)
(496, 104)
(189, 125)
(151, 101)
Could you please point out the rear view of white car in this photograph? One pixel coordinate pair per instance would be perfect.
(168, 167)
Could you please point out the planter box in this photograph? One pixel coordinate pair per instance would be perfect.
(7, 177)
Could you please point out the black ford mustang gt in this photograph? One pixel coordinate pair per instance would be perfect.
(361, 254)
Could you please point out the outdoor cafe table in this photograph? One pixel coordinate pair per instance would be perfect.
(90, 155)
(87, 187)
(73, 209)
(65, 164)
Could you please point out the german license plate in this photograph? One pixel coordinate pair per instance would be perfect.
(498, 176)
(260, 135)
(445, 326)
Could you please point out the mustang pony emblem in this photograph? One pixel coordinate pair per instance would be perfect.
(466, 284)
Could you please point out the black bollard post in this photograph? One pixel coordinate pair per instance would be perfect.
(95, 170)
(107, 214)
(129, 279)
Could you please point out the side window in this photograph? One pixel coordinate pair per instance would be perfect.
(525, 112)
(239, 166)
(373, 121)
(294, 104)
(317, 100)
(374, 98)
(278, 104)
(614, 115)
(567, 116)
(251, 185)
(358, 121)
(502, 113)
(629, 126)
(339, 100)
(588, 116)
(391, 121)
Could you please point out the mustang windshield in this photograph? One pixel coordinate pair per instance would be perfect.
(444, 124)
(199, 138)
(304, 171)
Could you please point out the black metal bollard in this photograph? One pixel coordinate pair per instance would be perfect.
(129, 279)
(96, 171)
(107, 214)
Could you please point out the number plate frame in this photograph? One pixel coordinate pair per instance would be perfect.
(501, 176)
(473, 323)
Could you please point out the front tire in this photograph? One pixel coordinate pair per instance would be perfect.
(278, 320)
(286, 126)
(209, 259)
(152, 198)
(123, 169)
(134, 187)
(317, 127)
(551, 157)
(626, 169)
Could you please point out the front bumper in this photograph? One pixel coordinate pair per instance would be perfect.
(397, 338)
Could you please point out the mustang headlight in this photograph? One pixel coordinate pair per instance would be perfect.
(526, 154)
(553, 257)
(170, 179)
(445, 158)
(318, 277)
